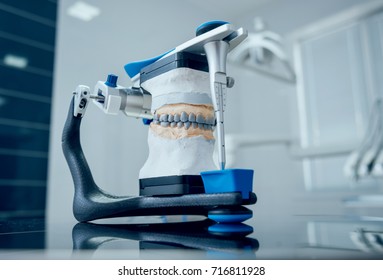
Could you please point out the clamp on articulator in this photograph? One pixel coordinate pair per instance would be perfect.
(224, 192)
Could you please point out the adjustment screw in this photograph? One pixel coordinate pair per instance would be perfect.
(230, 82)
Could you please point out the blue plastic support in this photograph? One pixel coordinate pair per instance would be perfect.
(146, 121)
(133, 68)
(111, 80)
(229, 180)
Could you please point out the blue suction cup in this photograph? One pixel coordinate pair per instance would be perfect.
(234, 230)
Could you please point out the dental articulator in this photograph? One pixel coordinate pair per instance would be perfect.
(181, 96)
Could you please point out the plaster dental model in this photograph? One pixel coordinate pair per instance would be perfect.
(181, 95)
(180, 138)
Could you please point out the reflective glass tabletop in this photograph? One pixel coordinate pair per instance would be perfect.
(285, 236)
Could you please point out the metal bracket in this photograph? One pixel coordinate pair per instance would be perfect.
(81, 100)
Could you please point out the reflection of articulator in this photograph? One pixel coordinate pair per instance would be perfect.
(202, 235)
(192, 76)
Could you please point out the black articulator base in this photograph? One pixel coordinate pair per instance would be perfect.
(91, 202)
(174, 61)
(172, 185)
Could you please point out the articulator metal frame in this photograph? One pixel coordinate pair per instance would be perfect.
(92, 202)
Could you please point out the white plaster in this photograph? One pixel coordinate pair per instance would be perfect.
(185, 156)
(191, 86)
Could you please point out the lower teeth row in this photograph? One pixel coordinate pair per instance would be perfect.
(186, 125)
(184, 117)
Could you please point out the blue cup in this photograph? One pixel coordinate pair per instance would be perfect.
(229, 180)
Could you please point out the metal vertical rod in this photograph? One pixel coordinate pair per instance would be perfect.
(216, 53)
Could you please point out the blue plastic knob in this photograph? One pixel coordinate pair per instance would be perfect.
(210, 25)
(111, 81)
(147, 121)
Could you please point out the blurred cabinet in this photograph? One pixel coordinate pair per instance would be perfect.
(27, 51)
(340, 70)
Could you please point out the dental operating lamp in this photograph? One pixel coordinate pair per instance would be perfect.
(181, 96)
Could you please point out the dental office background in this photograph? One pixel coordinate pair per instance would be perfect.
(295, 116)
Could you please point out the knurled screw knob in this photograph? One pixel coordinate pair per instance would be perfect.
(111, 80)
